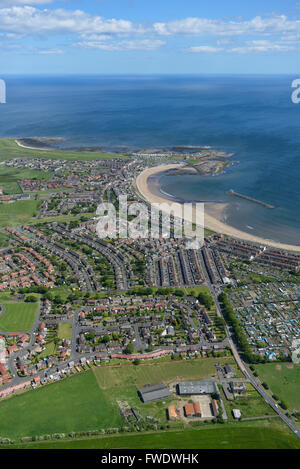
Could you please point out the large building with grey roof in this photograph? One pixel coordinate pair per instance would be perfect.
(197, 387)
(154, 393)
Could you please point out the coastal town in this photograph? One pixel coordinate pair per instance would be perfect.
(72, 301)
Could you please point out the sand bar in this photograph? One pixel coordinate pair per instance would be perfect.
(210, 222)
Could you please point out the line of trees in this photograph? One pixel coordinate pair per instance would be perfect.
(240, 335)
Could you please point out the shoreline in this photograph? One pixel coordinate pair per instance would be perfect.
(30, 148)
(212, 210)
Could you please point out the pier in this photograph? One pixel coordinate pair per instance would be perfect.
(232, 192)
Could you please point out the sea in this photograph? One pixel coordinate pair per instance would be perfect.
(252, 117)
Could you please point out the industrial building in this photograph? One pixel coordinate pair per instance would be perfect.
(154, 393)
(197, 387)
(192, 410)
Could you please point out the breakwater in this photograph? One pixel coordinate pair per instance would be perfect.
(232, 192)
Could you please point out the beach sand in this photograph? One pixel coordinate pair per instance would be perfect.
(213, 214)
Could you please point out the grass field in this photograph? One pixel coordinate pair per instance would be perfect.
(50, 349)
(157, 373)
(65, 330)
(85, 403)
(196, 290)
(9, 178)
(262, 435)
(18, 317)
(283, 380)
(75, 404)
(17, 213)
(4, 240)
(9, 149)
(89, 400)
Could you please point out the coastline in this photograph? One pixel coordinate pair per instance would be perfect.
(213, 211)
(30, 147)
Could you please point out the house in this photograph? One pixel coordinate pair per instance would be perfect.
(22, 340)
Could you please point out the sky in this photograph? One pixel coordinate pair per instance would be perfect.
(149, 37)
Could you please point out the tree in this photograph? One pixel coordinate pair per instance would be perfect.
(206, 299)
(136, 361)
(105, 339)
(31, 299)
(129, 349)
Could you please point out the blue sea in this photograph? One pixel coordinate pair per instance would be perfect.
(250, 116)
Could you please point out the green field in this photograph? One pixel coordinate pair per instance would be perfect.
(89, 400)
(262, 435)
(283, 380)
(65, 330)
(84, 403)
(17, 213)
(196, 290)
(157, 372)
(74, 404)
(9, 149)
(18, 317)
(9, 178)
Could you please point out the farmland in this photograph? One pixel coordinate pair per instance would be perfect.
(247, 435)
(18, 317)
(89, 400)
(75, 404)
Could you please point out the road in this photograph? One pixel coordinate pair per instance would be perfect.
(243, 367)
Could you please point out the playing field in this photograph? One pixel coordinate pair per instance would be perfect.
(74, 404)
(283, 380)
(17, 213)
(9, 149)
(258, 435)
(18, 317)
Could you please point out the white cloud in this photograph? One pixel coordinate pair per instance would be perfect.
(204, 26)
(49, 51)
(33, 21)
(95, 32)
(247, 47)
(145, 44)
(9, 3)
(209, 49)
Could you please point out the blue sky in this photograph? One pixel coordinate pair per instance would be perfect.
(149, 36)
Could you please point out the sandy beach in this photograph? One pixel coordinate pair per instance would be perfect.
(30, 147)
(212, 215)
